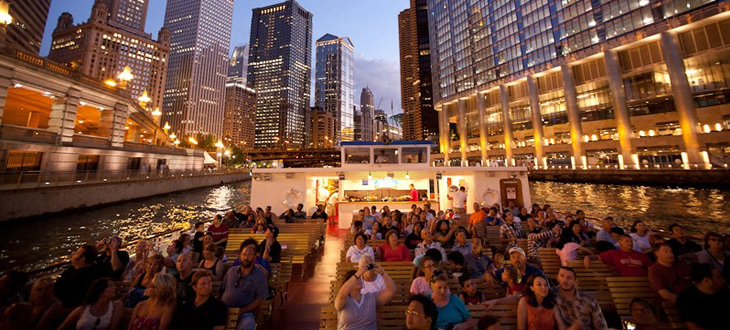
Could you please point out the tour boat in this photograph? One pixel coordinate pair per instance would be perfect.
(380, 174)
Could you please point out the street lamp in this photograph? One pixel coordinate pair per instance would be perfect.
(5, 20)
(125, 77)
(220, 146)
(144, 100)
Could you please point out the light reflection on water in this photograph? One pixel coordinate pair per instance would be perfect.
(698, 210)
(35, 243)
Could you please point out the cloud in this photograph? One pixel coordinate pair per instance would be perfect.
(383, 78)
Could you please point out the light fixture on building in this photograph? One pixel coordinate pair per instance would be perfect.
(193, 141)
(110, 83)
(166, 127)
(173, 136)
(144, 99)
(370, 175)
(5, 18)
(157, 112)
(408, 176)
(125, 77)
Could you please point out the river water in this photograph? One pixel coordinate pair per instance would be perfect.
(34, 243)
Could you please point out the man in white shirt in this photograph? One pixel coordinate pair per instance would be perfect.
(459, 200)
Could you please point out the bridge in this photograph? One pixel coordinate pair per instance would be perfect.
(297, 157)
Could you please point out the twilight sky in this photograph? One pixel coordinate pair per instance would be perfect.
(372, 26)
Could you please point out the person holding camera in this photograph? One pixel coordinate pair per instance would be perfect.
(356, 310)
(112, 262)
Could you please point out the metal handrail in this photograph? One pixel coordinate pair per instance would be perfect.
(38, 179)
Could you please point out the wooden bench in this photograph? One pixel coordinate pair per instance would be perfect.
(625, 289)
(592, 281)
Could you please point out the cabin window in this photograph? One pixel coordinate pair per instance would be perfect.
(414, 155)
(357, 155)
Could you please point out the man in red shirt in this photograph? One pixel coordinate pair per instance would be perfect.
(414, 193)
(668, 276)
(625, 260)
(219, 231)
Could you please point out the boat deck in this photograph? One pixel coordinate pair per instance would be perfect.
(307, 296)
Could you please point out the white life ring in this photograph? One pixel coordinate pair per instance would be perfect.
(292, 198)
(489, 197)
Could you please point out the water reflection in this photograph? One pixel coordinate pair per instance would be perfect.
(699, 210)
(39, 242)
(35, 243)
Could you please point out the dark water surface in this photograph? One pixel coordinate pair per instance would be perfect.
(31, 244)
(34, 243)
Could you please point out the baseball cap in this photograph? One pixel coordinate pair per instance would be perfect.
(518, 250)
(274, 231)
(456, 216)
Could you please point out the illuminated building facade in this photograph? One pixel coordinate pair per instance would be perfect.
(195, 88)
(364, 119)
(238, 120)
(279, 69)
(129, 15)
(334, 88)
(102, 51)
(238, 65)
(420, 120)
(582, 84)
(322, 128)
(29, 21)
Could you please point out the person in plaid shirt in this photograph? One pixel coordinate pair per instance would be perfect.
(510, 231)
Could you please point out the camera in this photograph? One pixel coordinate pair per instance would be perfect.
(370, 266)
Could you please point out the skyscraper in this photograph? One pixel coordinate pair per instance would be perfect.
(334, 84)
(240, 110)
(198, 66)
(366, 115)
(420, 120)
(238, 120)
(130, 15)
(102, 50)
(280, 71)
(29, 21)
(322, 128)
(582, 85)
(238, 65)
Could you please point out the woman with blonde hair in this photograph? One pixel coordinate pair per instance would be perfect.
(156, 312)
(136, 293)
(47, 310)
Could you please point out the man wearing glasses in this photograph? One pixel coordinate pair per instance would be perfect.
(244, 287)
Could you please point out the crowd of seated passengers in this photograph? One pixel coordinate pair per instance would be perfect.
(643, 253)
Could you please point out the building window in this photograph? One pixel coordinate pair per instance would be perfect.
(87, 163)
(23, 161)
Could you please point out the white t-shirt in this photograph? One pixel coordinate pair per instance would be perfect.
(459, 199)
(355, 254)
(374, 286)
(569, 252)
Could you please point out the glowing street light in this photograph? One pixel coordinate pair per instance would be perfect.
(125, 77)
(193, 141)
(173, 136)
(110, 83)
(5, 18)
(144, 99)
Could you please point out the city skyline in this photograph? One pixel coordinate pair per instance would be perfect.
(376, 58)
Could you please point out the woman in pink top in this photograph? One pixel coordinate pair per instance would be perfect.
(391, 250)
(421, 284)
